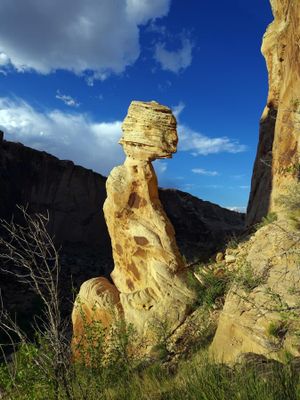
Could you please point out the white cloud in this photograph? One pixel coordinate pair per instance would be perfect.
(66, 135)
(142, 11)
(68, 100)
(246, 187)
(202, 171)
(174, 60)
(160, 166)
(93, 37)
(240, 209)
(199, 144)
(177, 110)
(4, 60)
(214, 186)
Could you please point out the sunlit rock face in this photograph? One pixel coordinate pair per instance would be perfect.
(149, 271)
(261, 311)
(277, 162)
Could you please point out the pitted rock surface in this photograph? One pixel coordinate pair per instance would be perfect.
(149, 271)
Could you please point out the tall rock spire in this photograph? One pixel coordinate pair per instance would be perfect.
(149, 272)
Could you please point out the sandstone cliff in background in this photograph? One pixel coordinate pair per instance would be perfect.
(277, 161)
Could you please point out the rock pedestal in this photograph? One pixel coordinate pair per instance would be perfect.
(149, 272)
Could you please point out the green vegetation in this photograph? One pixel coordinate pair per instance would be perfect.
(295, 103)
(107, 365)
(277, 329)
(246, 279)
(290, 203)
(268, 219)
(197, 378)
(212, 287)
(233, 242)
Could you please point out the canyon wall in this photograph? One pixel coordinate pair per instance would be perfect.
(277, 161)
(261, 310)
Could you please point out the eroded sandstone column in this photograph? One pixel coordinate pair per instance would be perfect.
(149, 272)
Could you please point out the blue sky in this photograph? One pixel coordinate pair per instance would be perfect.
(69, 69)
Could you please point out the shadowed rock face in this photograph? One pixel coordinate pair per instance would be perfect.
(73, 195)
(277, 162)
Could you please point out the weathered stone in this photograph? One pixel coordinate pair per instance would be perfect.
(261, 312)
(149, 271)
(219, 257)
(271, 259)
(98, 302)
(277, 161)
(229, 259)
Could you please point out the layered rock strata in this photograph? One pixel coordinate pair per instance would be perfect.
(149, 271)
(277, 161)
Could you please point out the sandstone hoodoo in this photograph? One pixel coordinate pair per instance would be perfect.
(149, 272)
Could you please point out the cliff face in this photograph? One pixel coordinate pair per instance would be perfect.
(261, 310)
(277, 160)
(72, 194)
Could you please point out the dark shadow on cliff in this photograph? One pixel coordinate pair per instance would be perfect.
(261, 183)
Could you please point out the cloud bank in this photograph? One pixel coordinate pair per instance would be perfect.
(92, 144)
(95, 37)
(199, 144)
(174, 60)
(68, 136)
(201, 171)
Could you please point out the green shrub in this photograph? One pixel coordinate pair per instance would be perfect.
(268, 219)
(290, 203)
(213, 287)
(246, 278)
(233, 242)
(277, 329)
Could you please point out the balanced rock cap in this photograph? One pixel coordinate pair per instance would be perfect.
(150, 124)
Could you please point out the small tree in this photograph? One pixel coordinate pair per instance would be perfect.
(30, 256)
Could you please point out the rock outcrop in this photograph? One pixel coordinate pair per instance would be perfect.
(261, 311)
(149, 271)
(277, 161)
